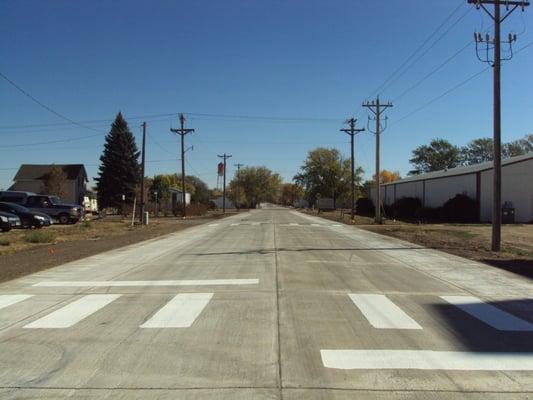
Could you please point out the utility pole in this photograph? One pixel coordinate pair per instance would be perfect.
(495, 62)
(352, 131)
(225, 157)
(182, 132)
(143, 161)
(377, 108)
(238, 184)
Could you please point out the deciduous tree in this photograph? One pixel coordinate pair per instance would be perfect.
(439, 154)
(325, 174)
(54, 181)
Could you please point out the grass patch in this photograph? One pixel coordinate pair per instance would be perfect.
(40, 237)
(86, 224)
(4, 242)
(459, 234)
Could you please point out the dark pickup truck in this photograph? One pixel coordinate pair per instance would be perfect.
(50, 205)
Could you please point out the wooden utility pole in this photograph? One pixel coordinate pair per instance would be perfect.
(143, 161)
(352, 131)
(225, 157)
(377, 108)
(496, 65)
(238, 185)
(182, 132)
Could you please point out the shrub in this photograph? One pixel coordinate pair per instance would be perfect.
(364, 206)
(460, 208)
(4, 242)
(406, 207)
(197, 209)
(40, 237)
(85, 224)
(427, 214)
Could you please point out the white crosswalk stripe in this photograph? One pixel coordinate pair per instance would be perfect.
(426, 360)
(187, 282)
(489, 314)
(382, 313)
(7, 300)
(180, 312)
(74, 312)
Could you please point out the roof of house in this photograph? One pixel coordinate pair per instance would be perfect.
(469, 169)
(38, 171)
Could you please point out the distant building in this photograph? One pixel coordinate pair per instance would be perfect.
(31, 178)
(219, 200)
(435, 188)
(176, 196)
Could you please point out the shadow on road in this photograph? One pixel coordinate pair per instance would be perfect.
(519, 267)
(284, 249)
(475, 335)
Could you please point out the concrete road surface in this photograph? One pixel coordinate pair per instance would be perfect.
(270, 304)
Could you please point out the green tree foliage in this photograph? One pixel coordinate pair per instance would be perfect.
(54, 181)
(439, 154)
(477, 151)
(325, 174)
(119, 171)
(481, 150)
(256, 185)
(290, 192)
(518, 147)
(162, 184)
(201, 191)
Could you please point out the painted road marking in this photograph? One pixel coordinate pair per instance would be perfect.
(489, 314)
(191, 282)
(255, 223)
(316, 225)
(213, 225)
(293, 224)
(383, 313)
(74, 312)
(180, 312)
(426, 359)
(335, 225)
(9, 299)
(234, 224)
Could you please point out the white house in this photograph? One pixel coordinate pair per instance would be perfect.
(435, 188)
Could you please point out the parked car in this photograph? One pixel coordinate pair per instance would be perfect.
(9, 221)
(28, 218)
(49, 205)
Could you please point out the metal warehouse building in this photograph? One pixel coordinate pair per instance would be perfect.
(435, 188)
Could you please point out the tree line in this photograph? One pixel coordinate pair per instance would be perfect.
(441, 154)
(324, 173)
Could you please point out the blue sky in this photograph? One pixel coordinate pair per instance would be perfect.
(304, 65)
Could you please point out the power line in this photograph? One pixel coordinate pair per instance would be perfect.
(49, 141)
(414, 53)
(434, 71)
(440, 96)
(49, 109)
(457, 86)
(413, 62)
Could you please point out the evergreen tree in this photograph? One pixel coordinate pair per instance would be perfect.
(119, 171)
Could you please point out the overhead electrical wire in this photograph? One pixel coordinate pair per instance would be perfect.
(432, 72)
(41, 104)
(392, 76)
(457, 86)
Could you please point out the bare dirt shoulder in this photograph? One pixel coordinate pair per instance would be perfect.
(74, 242)
(471, 241)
